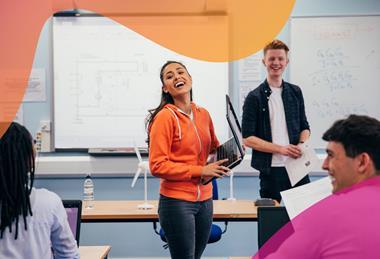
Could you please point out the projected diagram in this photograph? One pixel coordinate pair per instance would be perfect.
(106, 78)
(111, 89)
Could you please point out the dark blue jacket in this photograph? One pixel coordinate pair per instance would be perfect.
(256, 121)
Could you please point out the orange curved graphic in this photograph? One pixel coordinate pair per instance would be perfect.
(192, 28)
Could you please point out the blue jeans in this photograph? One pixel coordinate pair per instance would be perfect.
(187, 226)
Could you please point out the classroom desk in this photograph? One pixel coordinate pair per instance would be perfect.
(127, 211)
(94, 252)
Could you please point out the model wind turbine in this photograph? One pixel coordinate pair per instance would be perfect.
(231, 198)
(142, 166)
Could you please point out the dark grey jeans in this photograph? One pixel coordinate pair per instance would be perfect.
(187, 226)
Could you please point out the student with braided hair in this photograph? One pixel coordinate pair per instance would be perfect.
(33, 222)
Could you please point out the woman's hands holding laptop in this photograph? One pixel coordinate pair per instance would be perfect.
(215, 169)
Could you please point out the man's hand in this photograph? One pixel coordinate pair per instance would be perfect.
(291, 150)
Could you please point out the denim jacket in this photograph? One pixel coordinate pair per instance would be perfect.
(256, 120)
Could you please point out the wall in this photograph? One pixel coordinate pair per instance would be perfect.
(137, 239)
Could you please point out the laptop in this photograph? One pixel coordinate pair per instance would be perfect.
(232, 149)
(74, 212)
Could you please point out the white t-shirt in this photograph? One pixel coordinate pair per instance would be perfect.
(48, 233)
(278, 125)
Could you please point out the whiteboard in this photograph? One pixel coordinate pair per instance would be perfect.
(106, 77)
(336, 62)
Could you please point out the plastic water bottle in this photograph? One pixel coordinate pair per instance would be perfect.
(88, 192)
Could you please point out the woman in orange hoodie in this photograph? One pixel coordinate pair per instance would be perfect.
(181, 137)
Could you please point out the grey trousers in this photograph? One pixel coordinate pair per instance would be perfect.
(186, 225)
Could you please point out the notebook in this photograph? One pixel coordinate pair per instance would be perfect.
(74, 211)
(232, 149)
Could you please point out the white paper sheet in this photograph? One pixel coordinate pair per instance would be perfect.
(244, 89)
(250, 68)
(300, 167)
(300, 198)
(36, 90)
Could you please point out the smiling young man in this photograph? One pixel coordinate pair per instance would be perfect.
(274, 123)
(346, 224)
(352, 151)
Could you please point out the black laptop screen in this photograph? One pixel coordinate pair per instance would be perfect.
(74, 211)
(234, 125)
(72, 217)
(232, 149)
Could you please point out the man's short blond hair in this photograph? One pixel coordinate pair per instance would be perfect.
(276, 44)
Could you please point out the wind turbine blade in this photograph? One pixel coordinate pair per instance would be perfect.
(138, 154)
(137, 174)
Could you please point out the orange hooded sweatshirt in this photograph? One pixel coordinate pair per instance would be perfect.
(179, 148)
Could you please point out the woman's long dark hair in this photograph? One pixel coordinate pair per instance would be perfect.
(16, 176)
(165, 97)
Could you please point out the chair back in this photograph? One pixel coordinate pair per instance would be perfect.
(215, 195)
(269, 221)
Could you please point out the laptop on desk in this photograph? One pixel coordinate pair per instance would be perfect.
(74, 212)
(232, 149)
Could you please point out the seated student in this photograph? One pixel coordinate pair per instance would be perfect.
(33, 222)
(346, 224)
